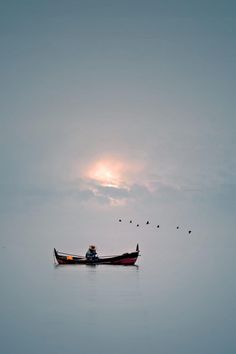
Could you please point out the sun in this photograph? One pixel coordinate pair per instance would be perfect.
(107, 173)
(104, 174)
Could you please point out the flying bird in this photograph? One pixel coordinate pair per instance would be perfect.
(130, 221)
(158, 226)
(147, 223)
(137, 225)
(177, 227)
(119, 220)
(189, 231)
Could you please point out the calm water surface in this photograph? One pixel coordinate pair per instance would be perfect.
(175, 301)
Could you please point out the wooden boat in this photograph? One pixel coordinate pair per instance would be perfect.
(123, 259)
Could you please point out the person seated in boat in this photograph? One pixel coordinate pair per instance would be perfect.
(91, 254)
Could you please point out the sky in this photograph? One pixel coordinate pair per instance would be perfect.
(117, 109)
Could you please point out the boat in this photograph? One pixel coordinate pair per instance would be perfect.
(123, 259)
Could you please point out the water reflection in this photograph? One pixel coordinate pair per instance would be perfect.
(56, 265)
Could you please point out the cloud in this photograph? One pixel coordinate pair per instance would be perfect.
(87, 190)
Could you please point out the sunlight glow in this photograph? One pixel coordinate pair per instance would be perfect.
(107, 173)
(111, 172)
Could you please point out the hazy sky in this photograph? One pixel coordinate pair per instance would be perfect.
(118, 107)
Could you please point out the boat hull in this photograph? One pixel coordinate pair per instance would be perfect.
(124, 259)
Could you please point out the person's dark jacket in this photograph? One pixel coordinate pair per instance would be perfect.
(91, 254)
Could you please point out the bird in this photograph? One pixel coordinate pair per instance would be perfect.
(158, 226)
(189, 231)
(130, 221)
(119, 220)
(137, 225)
(177, 227)
(147, 222)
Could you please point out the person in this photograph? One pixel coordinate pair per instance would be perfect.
(91, 254)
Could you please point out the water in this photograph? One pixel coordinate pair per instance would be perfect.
(175, 301)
